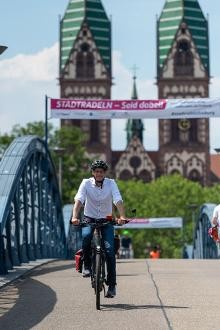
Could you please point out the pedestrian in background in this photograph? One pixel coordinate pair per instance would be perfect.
(155, 253)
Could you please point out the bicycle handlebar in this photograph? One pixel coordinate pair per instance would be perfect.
(98, 222)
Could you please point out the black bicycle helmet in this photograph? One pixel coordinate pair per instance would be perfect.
(99, 164)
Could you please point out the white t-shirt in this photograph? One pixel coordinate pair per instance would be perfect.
(216, 213)
(98, 201)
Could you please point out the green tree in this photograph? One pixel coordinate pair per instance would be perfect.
(168, 196)
(35, 128)
(5, 141)
(74, 160)
(212, 194)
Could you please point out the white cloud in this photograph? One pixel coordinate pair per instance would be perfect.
(42, 66)
(25, 80)
(215, 87)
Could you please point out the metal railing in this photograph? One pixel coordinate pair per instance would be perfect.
(31, 218)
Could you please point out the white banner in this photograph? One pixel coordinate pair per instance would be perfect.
(154, 223)
(112, 109)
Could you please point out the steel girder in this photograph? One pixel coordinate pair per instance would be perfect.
(204, 246)
(31, 219)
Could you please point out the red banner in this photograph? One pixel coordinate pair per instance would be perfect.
(67, 104)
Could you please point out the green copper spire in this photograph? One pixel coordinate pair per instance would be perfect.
(134, 127)
(134, 92)
(174, 13)
(93, 13)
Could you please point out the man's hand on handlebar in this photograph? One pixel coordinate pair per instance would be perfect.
(122, 221)
(74, 221)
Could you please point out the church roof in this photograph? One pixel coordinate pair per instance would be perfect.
(214, 164)
(173, 14)
(93, 13)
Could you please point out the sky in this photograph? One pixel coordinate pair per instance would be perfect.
(29, 67)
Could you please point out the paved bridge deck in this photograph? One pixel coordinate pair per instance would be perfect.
(151, 294)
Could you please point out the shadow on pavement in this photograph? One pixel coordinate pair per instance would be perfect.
(126, 307)
(128, 261)
(25, 303)
(137, 274)
(53, 266)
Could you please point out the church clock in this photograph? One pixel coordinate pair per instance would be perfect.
(184, 124)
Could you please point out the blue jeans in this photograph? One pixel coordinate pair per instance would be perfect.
(108, 240)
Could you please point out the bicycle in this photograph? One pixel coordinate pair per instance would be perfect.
(98, 258)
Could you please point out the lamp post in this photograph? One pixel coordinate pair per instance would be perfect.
(2, 49)
(59, 151)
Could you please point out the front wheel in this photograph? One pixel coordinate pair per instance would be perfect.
(98, 280)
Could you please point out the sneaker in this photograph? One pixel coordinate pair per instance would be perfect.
(111, 293)
(86, 273)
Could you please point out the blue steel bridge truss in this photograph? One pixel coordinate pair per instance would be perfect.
(31, 219)
(204, 246)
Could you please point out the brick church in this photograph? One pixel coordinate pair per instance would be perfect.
(182, 72)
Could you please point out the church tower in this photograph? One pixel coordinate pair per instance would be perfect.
(134, 162)
(183, 72)
(85, 67)
(134, 127)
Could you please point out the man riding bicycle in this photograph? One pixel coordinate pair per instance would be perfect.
(97, 194)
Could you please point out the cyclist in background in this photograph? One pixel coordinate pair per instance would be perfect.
(97, 194)
(216, 216)
(216, 223)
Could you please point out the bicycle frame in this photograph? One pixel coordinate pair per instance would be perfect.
(98, 259)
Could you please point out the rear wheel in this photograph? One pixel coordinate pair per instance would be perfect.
(98, 280)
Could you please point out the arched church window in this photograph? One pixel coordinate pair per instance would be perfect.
(145, 176)
(125, 175)
(195, 176)
(174, 130)
(175, 172)
(94, 131)
(90, 65)
(79, 65)
(85, 63)
(193, 131)
(183, 60)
